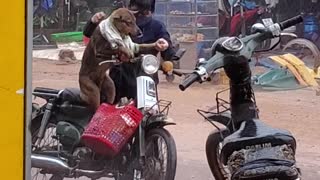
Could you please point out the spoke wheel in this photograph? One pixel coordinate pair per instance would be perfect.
(213, 151)
(305, 50)
(161, 155)
(47, 143)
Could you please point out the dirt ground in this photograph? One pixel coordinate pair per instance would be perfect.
(297, 111)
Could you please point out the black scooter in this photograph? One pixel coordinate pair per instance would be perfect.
(247, 148)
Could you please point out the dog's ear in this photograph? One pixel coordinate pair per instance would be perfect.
(123, 18)
(123, 14)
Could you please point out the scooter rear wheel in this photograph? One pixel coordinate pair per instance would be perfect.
(213, 155)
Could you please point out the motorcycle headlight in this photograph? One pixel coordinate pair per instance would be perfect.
(150, 64)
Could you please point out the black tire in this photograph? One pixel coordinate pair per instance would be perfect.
(34, 128)
(213, 155)
(171, 151)
(171, 158)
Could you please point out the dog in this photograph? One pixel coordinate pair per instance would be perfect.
(110, 40)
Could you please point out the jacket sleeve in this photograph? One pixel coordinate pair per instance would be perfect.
(170, 52)
(89, 28)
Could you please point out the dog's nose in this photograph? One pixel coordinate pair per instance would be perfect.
(139, 32)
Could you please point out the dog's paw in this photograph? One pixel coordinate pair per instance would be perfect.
(125, 54)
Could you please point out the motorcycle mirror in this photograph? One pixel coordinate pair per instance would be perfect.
(258, 27)
(180, 53)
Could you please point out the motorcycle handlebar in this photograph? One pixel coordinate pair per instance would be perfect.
(291, 22)
(188, 81)
(216, 63)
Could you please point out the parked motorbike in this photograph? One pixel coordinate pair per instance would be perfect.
(126, 141)
(245, 148)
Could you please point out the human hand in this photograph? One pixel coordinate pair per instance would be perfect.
(161, 45)
(98, 17)
(261, 10)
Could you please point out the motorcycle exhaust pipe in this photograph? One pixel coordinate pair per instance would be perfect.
(51, 164)
(55, 165)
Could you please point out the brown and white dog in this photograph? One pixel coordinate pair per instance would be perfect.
(111, 40)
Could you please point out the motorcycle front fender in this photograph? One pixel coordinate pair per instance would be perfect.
(159, 121)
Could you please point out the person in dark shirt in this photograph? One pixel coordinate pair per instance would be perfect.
(124, 75)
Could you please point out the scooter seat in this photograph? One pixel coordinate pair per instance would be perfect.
(255, 134)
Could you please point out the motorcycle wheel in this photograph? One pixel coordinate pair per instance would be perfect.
(157, 166)
(47, 142)
(213, 155)
(161, 165)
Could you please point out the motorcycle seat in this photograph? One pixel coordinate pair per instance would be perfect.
(72, 96)
(255, 134)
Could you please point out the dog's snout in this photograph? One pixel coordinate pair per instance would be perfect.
(137, 32)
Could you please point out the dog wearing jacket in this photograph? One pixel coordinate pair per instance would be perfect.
(110, 41)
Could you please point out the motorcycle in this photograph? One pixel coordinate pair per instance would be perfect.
(245, 148)
(69, 140)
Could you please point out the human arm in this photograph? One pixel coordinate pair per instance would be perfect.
(129, 48)
(93, 23)
(169, 53)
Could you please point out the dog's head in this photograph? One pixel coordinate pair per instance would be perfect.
(125, 21)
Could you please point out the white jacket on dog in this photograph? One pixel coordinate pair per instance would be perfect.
(110, 32)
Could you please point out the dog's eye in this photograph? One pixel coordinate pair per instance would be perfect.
(128, 23)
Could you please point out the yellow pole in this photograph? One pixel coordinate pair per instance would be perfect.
(12, 85)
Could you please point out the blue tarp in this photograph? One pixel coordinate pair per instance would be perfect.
(277, 79)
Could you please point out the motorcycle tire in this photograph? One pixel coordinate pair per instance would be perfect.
(34, 128)
(213, 155)
(171, 150)
(171, 156)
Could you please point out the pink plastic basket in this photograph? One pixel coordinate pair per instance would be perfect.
(110, 128)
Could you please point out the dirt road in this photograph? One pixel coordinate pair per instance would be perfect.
(297, 111)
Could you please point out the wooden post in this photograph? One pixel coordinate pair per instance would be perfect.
(61, 14)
